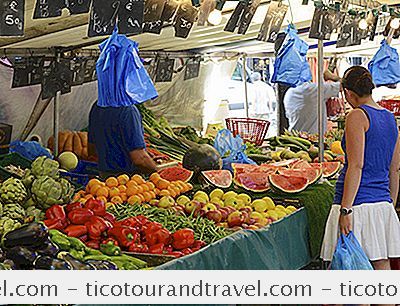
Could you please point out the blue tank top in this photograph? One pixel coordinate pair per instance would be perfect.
(380, 142)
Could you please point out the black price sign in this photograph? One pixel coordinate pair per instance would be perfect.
(130, 17)
(272, 22)
(192, 69)
(12, 14)
(65, 75)
(153, 10)
(247, 16)
(78, 71)
(27, 71)
(324, 22)
(103, 17)
(78, 6)
(48, 8)
(90, 70)
(185, 18)
(350, 34)
(49, 81)
(233, 22)
(165, 70)
(170, 8)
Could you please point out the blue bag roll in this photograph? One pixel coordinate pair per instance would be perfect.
(349, 255)
(385, 65)
(225, 143)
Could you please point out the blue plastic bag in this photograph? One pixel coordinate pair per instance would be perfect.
(385, 65)
(122, 78)
(29, 149)
(349, 255)
(291, 67)
(225, 143)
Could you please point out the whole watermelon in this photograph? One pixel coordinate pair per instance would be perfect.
(201, 158)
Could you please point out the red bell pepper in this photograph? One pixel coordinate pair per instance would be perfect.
(176, 254)
(183, 239)
(151, 227)
(94, 244)
(80, 216)
(72, 206)
(83, 238)
(75, 230)
(109, 217)
(98, 207)
(160, 236)
(96, 226)
(138, 248)
(56, 212)
(197, 245)
(110, 240)
(187, 251)
(55, 224)
(124, 235)
(157, 248)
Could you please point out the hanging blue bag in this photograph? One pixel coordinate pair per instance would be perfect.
(29, 149)
(349, 255)
(291, 67)
(232, 149)
(385, 65)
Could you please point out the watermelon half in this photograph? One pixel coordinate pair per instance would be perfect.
(301, 164)
(311, 174)
(288, 184)
(255, 181)
(329, 169)
(176, 173)
(218, 178)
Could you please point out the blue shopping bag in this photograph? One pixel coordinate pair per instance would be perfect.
(385, 65)
(349, 255)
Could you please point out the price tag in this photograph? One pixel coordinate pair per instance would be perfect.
(273, 22)
(78, 71)
(153, 10)
(12, 14)
(350, 34)
(103, 17)
(64, 75)
(90, 70)
(185, 18)
(324, 22)
(49, 81)
(247, 16)
(233, 22)
(130, 17)
(192, 69)
(48, 8)
(170, 9)
(165, 70)
(27, 71)
(78, 6)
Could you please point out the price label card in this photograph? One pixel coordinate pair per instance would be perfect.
(50, 85)
(165, 70)
(64, 75)
(153, 10)
(130, 17)
(78, 6)
(324, 22)
(273, 22)
(103, 17)
(185, 18)
(192, 69)
(48, 8)
(90, 70)
(78, 71)
(350, 34)
(12, 14)
(27, 71)
(233, 22)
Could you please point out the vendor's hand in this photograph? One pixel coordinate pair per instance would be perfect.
(346, 224)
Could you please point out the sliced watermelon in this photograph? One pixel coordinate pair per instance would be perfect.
(285, 163)
(329, 169)
(218, 178)
(311, 174)
(301, 164)
(243, 168)
(255, 182)
(176, 173)
(288, 184)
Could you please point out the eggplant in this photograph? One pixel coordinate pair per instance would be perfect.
(49, 263)
(31, 235)
(48, 249)
(102, 264)
(22, 257)
(74, 263)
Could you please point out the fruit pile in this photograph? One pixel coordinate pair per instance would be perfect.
(135, 189)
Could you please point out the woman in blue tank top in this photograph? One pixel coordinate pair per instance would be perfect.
(367, 188)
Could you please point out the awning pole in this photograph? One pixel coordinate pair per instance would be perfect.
(56, 114)
(246, 97)
(321, 100)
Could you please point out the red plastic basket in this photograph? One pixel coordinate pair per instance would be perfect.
(251, 130)
(391, 105)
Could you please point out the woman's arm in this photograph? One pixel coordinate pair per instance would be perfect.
(394, 173)
(356, 125)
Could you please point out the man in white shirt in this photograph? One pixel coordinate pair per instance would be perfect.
(262, 98)
(301, 104)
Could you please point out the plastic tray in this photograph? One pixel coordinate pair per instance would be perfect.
(12, 159)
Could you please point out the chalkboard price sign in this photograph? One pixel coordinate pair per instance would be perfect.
(165, 70)
(78, 6)
(78, 71)
(27, 71)
(350, 34)
(272, 22)
(48, 8)
(64, 75)
(170, 8)
(233, 22)
(12, 14)
(153, 10)
(192, 69)
(90, 70)
(103, 17)
(35, 66)
(396, 33)
(130, 17)
(50, 85)
(185, 18)
(247, 16)
(323, 23)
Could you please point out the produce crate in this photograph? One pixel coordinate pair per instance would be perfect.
(251, 130)
(86, 167)
(12, 159)
(78, 180)
(81, 175)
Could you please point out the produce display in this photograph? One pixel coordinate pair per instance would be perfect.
(70, 141)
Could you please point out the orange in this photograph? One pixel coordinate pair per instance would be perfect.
(155, 177)
(157, 191)
(116, 200)
(145, 187)
(114, 192)
(88, 196)
(124, 197)
(177, 190)
(102, 192)
(138, 179)
(163, 184)
(189, 186)
(112, 182)
(93, 182)
(147, 197)
(101, 198)
(132, 191)
(153, 194)
(122, 188)
(172, 192)
(150, 185)
(139, 189)
(131, 184)
(94, 188)
(164, 193)
(141, 197)
(123, 179)
(134, 200)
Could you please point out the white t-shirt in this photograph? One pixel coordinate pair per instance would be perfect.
(261, 97)
(383, 92)
(301, 106)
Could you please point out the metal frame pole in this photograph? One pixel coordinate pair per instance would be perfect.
(56, 114)
(246, 98)
(321, 100)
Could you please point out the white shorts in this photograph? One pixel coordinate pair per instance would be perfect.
(376, 227)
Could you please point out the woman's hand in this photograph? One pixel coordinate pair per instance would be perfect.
(346, 224)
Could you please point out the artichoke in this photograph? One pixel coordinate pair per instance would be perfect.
(13, 191)
(28, 178)
(43, 166)
(67, 190)
(47, 192)
(8, 225)
(14, 211)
